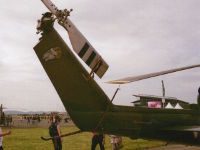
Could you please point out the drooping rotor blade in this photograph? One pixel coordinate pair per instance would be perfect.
(79, 43)
(150, 75)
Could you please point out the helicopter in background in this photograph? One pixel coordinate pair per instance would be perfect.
(2, 116)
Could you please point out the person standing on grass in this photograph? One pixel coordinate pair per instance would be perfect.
(98, 138)
(2, 134)
(116, 142)
(54, 131)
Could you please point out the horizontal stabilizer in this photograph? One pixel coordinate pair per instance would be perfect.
(150, 75)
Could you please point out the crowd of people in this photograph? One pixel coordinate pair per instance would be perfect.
(30, 120)
(6, 120)
(55, 132)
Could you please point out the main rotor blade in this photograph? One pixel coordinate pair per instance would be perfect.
(150, 75)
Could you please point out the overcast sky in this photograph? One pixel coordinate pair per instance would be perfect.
(133, 36)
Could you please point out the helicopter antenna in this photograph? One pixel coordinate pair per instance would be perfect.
(163, 94)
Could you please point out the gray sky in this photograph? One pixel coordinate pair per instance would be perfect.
(133, 36)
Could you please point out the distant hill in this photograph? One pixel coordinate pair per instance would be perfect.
(12, 112)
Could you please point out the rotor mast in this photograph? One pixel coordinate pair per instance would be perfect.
(61, 15)
(163, 94)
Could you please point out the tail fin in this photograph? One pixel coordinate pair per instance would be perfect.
(68, 77)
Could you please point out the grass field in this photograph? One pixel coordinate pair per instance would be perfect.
(29, 139)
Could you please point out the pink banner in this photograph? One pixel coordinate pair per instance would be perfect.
(153, 104)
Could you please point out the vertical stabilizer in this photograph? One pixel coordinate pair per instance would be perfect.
(68, 76)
